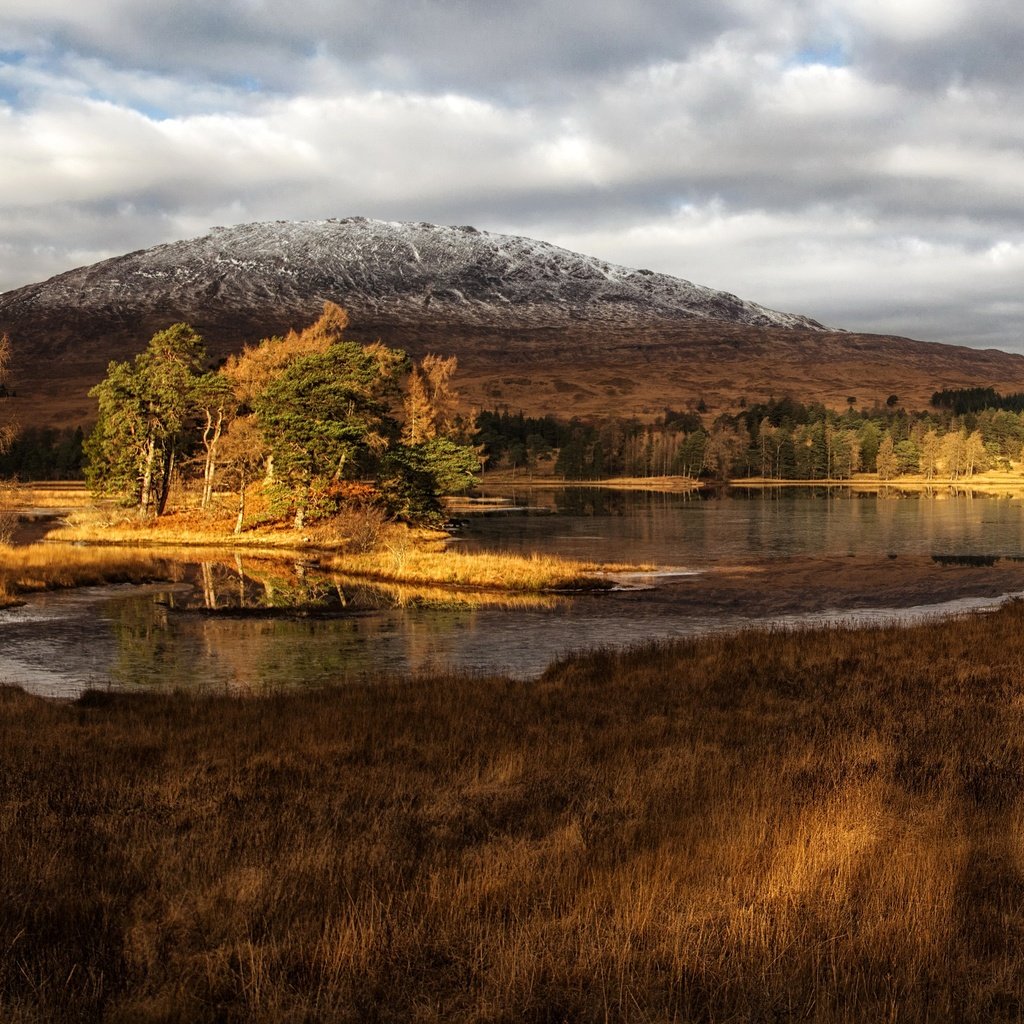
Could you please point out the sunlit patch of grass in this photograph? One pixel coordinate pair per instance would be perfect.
(69, 494)
(412, 595)
(409, 563)
(38, 567)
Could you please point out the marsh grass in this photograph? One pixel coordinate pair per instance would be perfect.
(35, 567)
(822, 826)
(400, 554)
(406, 561)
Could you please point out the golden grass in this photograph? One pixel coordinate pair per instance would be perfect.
(38, 567)
(823, 826)
(996, 482)
(416, 557)
(59, 494)
(412, 564)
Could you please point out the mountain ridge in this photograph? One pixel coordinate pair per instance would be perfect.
(534, 326)
(398, 273)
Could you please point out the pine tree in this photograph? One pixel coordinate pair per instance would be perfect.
(326, 413)
(886, 460)
(147, 416)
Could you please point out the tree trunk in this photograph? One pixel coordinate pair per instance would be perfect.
(211, 437)
(165, 482)
(241, 504)
(147, 476)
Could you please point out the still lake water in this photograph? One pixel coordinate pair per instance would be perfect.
(129, 637)
(752, 525)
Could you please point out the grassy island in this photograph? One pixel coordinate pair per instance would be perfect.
(102, 544)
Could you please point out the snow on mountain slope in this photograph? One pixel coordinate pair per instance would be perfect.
(400, 274)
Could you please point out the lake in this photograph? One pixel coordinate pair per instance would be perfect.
(781, 557)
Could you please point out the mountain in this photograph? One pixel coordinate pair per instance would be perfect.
(534, 326)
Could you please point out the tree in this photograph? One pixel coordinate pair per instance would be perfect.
(886, 460)
(326, 413)
(724, 447)
(870, 439)
(419, 421)
(954, 446)
(975, 455)
(243, 451)
(430, 401)
(215, 402)
(257, 365)
(413, 477)
(147, 416)
(930, 452)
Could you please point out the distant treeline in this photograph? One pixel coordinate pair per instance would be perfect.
(778, 439)
(781, 438)
(960, 401)
(44, 453)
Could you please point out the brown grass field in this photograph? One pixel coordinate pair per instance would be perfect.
(824, 826)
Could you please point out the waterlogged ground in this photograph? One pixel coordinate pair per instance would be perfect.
(796, 559)
(223, 631)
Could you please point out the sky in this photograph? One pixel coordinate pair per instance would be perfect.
(857, 161)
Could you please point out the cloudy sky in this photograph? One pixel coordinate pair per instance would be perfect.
(859, 161)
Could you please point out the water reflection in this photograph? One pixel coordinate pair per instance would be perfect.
(739, 524)
(246, 624)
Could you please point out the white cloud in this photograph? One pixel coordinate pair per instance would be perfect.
(875, 185)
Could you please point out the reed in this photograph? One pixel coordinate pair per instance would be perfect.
(821, 826)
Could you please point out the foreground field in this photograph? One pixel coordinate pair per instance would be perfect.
(769, 827)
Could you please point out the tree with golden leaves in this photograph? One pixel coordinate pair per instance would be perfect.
(257, 365)
(431, 401)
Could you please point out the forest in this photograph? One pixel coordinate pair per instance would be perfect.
(781, 439)
(318, 420)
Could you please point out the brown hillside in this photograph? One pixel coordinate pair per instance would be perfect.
(535, 327)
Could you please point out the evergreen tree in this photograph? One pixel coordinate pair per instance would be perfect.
(326, 413)
(413, 477)
(147, 411)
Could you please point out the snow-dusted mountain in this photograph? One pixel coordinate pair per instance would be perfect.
(385, 273)
(535, 327)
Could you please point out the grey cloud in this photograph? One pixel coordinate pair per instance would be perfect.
(868, 196)
(983, 46)
(485, 46)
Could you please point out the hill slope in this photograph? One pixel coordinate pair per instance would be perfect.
(534, 326)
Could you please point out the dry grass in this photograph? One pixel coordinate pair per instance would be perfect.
(403, 560)
(404, 555)
(769, 827)
(58, 494)
(38, 567)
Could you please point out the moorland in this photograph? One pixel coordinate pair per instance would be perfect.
(768, 826)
